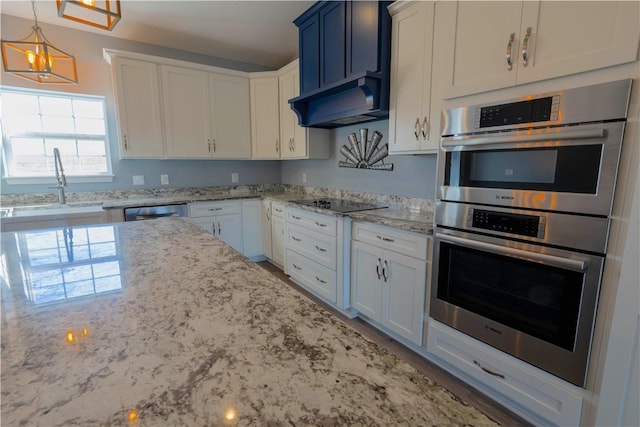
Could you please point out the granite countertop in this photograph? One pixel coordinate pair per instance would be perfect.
(158, 323)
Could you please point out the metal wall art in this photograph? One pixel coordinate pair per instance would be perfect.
(365, 154)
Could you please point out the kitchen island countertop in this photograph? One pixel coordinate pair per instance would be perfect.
(158, 323)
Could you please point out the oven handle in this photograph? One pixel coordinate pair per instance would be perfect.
(569, 264)
(459, 141)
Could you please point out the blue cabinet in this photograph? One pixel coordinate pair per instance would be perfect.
(344, 63)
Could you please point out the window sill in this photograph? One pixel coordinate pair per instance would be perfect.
(29, 180)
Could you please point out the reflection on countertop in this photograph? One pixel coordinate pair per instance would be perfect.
(195, 334)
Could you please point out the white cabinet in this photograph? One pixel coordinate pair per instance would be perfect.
(275, 133)
(387, 285)
(536, 395)
(277, 233)
(222, 219)
(265, 221)
(414, 118)
(265, 118)
(492, 45)
(206, 115)
(137, 97)
(251, 229)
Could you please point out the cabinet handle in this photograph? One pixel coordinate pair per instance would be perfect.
(320, 280)
(525, 48)
(319, 224)
(214, 227)
(385, 239)
(280, 210)
(219, 232)
(378, 269)
(297, 240)
(267, 215)
(296, 267)
(126, 145)
(214, 145)
(214, 209)
(320, 249)
(294, 217)
(293, 144)
(488, 371)
(416, 126)
(425, 128)
(509, 45)
(277, 146)
(384, 271)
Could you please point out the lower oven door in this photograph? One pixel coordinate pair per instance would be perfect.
(533, 302)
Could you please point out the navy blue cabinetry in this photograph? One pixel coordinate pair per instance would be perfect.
(344, 63)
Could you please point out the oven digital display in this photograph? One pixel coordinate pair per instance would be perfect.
(536, 110)
(524, 225)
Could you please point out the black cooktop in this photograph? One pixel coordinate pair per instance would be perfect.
(338, 205)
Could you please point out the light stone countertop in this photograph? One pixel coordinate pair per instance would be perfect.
(173, 327)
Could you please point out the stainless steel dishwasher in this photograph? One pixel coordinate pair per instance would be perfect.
(142, 213)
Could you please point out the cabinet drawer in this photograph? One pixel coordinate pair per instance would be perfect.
(514, 381)
(403, 242)
(312, 276)
(277, 209)
(324, 224)
(318, 247)
(213, 208)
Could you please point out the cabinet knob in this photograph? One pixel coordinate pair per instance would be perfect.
(525, 47)
(508, 54)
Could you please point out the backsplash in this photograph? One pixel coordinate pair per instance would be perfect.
(200, 192)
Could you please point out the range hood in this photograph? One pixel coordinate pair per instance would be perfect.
(344, 63)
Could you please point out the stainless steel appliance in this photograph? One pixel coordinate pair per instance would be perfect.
(525, 192)
(153, 212)
(338, 205)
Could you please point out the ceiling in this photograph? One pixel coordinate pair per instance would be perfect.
(255, 32)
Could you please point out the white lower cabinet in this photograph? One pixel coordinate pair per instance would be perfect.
(251, 229)
(388, 287)
(535, 395)
(222, 219)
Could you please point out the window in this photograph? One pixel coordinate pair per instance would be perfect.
(35, 122)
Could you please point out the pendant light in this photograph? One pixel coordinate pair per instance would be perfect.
(35, 58)
(103, 14)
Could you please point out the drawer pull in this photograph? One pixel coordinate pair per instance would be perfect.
(214, 209)
(277, 210)
(320, 280)
(296, 267)
(319, 224)
(488, 371)
(320, 249)
(296, 239)
(385, 239)
(295, 217)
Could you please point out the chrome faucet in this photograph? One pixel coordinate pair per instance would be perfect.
(61, 180)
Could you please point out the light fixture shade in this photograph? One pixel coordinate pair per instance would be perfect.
(38, 60)
(103, 14)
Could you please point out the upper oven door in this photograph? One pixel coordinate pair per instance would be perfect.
(565, 169)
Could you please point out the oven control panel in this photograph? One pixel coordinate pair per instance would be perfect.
(524, 225)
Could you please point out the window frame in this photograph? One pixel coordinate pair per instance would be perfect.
(5, 146)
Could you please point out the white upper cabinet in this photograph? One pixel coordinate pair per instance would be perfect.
(186, 112)
(230, 117)
(265, 118)
(494, 45)
(289, 87)
(413, 124)
(137, 95)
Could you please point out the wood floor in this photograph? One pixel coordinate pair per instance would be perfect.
(428, 369)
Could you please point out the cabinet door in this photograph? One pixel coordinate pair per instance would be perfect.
(230, 117)
(403, 291)
(333, 18)
(251, 228)
(477, 36)
(366, 288)
(571, 37)
(137, 94)
(186, 112)
(309, 42)
(266, 228)
(265, 122)
(229, 230)
(288, 119)
(277, 240)
(411, 53)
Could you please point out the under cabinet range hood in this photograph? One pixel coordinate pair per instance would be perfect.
(345, 52)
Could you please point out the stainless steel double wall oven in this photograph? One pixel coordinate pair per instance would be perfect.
(525, 191)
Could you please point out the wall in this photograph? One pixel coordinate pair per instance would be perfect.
(95, 79)
(412, 176)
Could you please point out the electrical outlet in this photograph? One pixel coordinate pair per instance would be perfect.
(138, 179)
(234, 177)
(304, 178)
(164, 179)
